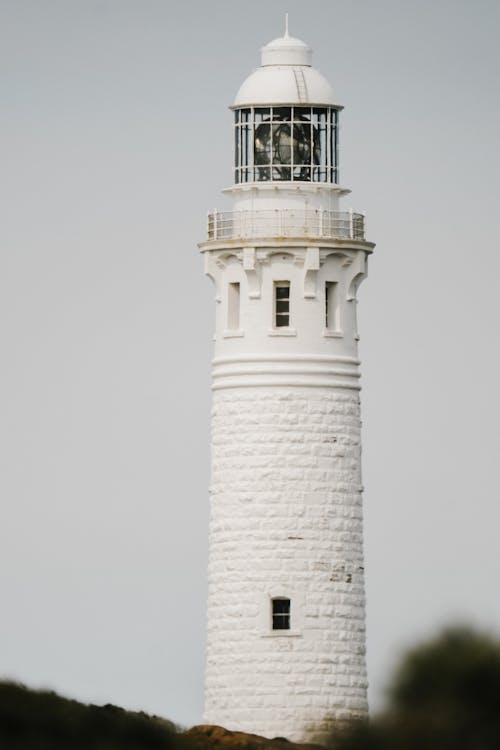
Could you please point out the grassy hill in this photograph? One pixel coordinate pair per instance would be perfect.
(42, 720)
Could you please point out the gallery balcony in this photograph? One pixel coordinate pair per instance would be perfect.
(286, 223)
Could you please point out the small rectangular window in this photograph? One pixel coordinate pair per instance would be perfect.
(281, 613)
(233, 306)
(281, 304)
(331, 314)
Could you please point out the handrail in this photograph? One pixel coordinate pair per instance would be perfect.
(285, 222)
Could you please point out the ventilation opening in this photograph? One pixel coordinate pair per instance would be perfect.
(281, 614)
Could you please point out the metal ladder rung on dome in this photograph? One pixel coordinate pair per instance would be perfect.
(300, 80)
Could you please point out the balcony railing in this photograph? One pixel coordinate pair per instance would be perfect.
(286, 222)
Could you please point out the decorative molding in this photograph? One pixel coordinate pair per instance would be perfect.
(330, 359)
(286, 370)
(266, 381)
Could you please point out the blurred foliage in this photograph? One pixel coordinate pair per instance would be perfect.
(40, 720)
(445, 695)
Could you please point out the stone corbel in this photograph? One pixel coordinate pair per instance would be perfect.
(311, 268)
(357, 274)
(212, 270)
(250, 267)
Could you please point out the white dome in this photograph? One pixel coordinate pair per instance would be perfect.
(285, 77)
(280, 84)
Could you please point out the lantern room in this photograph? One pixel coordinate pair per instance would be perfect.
(286, 119)
(286, 143)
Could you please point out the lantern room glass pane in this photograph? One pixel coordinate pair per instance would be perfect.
(282, 143)
(237, 154)
(245, 138)
(262, 174)
(262, 114)
(282, 174)
(301, 143)
(302, 114)
(302, 174)
(334, 141)
(281, 114)
(319, 115)
(317, 146)
(262, 144)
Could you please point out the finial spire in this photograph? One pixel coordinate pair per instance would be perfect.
(286, 25)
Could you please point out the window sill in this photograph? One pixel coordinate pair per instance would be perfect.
(230, 334)
(329, 334)
(282, 332)
(285, 633)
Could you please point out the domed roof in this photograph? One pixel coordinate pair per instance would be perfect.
(285, 76)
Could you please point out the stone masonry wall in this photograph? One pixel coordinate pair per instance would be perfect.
(286, 520)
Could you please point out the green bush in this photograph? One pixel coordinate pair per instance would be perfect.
(445, 696)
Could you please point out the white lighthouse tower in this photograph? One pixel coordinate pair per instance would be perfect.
(286, 603)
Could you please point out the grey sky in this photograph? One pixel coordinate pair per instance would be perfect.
(115, 141)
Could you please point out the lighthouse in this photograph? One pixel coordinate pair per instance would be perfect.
(286, 599)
